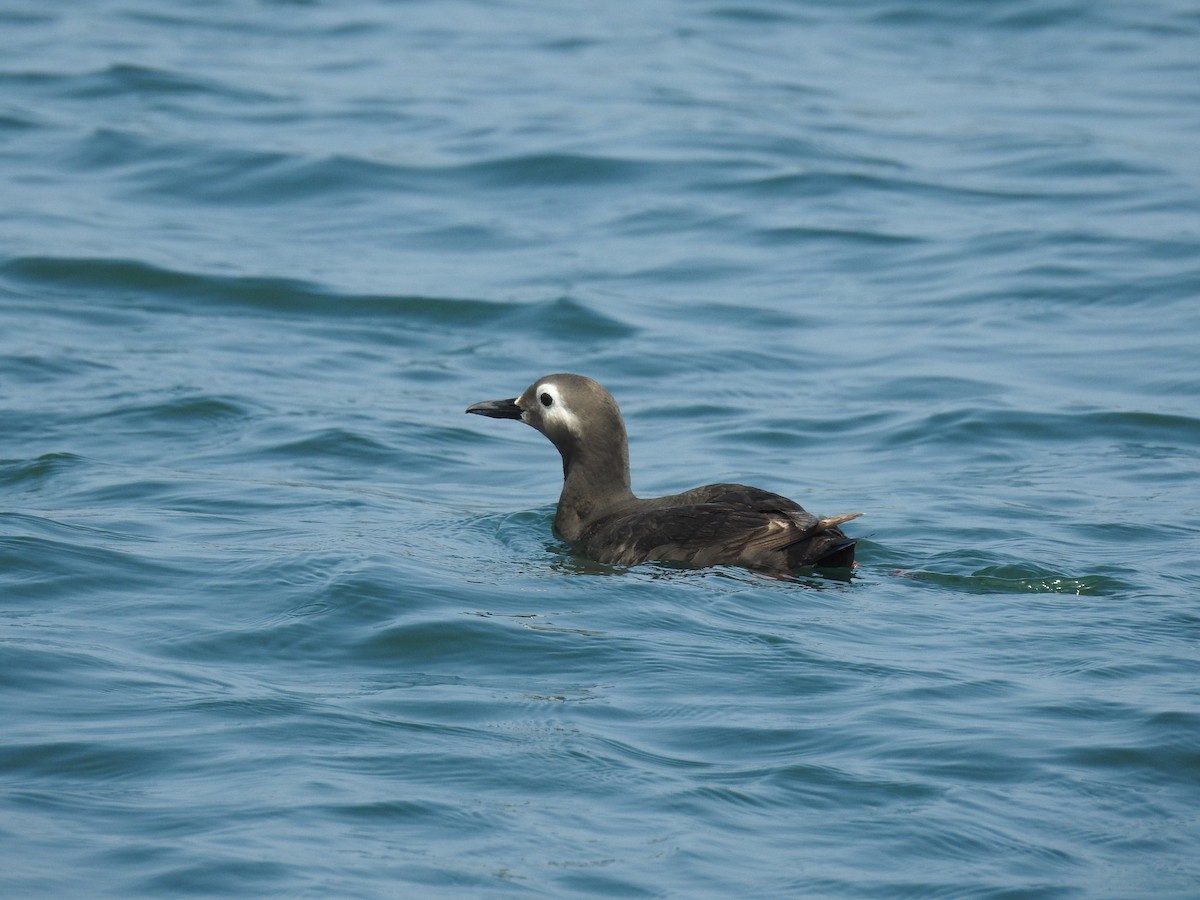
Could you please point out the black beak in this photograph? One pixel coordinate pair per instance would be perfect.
(497, 409)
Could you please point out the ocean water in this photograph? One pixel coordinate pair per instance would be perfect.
(278, 620)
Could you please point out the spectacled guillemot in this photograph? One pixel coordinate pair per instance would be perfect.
(719, 524)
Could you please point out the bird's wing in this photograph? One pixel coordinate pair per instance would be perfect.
(731, 524)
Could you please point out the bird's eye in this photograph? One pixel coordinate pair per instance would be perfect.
(547, 400)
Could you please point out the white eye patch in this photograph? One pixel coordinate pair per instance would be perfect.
(554, 410)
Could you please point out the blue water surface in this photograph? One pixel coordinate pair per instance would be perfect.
(277, 619)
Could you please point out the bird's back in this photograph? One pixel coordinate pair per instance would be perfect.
(718, 524)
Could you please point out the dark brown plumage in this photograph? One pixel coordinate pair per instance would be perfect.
(719, 524)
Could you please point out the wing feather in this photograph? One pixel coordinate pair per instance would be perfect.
(723, 524)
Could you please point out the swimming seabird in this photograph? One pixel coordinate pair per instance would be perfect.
(719, 524)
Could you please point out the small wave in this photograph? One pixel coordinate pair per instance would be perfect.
(977, 426)
(200, 410)
(30, 474)
(31, 368)
(1023, 578)
(235, 176)
(110, 761)
(807, 236)
(12, 122)
(232, 174)
(340, 445)
(570, 319)
(541, 169)
(50, 557)
(124, 279)
(816, 184)
(122, 79)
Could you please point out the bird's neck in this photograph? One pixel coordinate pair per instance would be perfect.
(595, 479)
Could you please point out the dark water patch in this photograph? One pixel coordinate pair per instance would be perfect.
(393, 812)
(139, 500)
(466, 238)
(807, 184)
(570, 320)
(758, 14)
(982, 426)
(124, 79)
(200, 412)
(1175, 761)
(808, 236)
(226, 176)
(303, 20)
(296, 642)
(235, 177)
(11, 122)
(666, 217)
(1111, 175)
(1016, 578)
(1044, 288)
(33, 524)
(126, 153)
(36, 369)
(826, 786)
(691, 270)
(133, 284)
(332, 612)
(34, 474)
(39, 568)
(73, 523)
(220, 873)
(1019, 16)
(824, 184)
(447, 450)
(81, 761)
(1089, 252)
(702, 411)
(558, 169)
(338, 445)
(131, 281)
(34, 662)
(1139, 426)
(450, 644)
(22, 17)
(915, 389)
(726, 316)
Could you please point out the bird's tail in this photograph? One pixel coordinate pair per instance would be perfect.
(834, 521)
